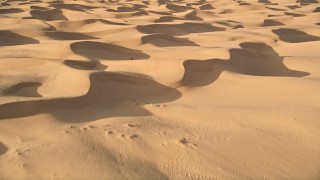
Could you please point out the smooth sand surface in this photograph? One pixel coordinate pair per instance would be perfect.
(160, 89)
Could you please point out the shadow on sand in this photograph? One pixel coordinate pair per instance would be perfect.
(110, 95)
(256, 59)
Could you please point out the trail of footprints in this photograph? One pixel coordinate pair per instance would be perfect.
(128, 131)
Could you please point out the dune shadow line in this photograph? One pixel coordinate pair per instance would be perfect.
(106, 51)
(256, 59)
(110, 95)
(8, 38)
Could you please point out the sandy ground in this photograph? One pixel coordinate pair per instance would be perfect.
(159, 89)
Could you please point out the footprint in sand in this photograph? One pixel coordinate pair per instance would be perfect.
(186, 142)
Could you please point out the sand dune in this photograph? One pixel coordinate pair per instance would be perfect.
(159, 89)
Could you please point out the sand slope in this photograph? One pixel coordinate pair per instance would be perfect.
(159, 89)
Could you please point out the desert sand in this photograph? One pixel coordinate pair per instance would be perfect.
(159, 89)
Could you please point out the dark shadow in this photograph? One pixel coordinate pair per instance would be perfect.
(229, 23)
(161, 13)
(10, 11)
(294, 36)
(48, 15)
(85, 65)
(193, 16)
(178, 29)
(24, 89)
(177, 8)
(140, 13)
(161, 2)
(294, 7)
(110, 22)
(3, 149)
(294, 14)
(275, 9)
(110, 95)
(73, 7)
(307, 2)
(271, 22)
(13, 1)
(25, 3)
(126, 9)
(167, 19)
(244, 4)
(132, 8)
(206, 7)
(256, 59)
(264, 1)
(106, 51)
(56, 35)
(5, 4)
(38, 8)
(164, 40)
(79, 24)
(317, 9)
(8, 38)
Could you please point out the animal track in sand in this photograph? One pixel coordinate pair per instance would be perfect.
(21, 152)
(186, 142)
(121, 134)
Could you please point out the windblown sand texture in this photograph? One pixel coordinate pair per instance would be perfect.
(159, 89)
